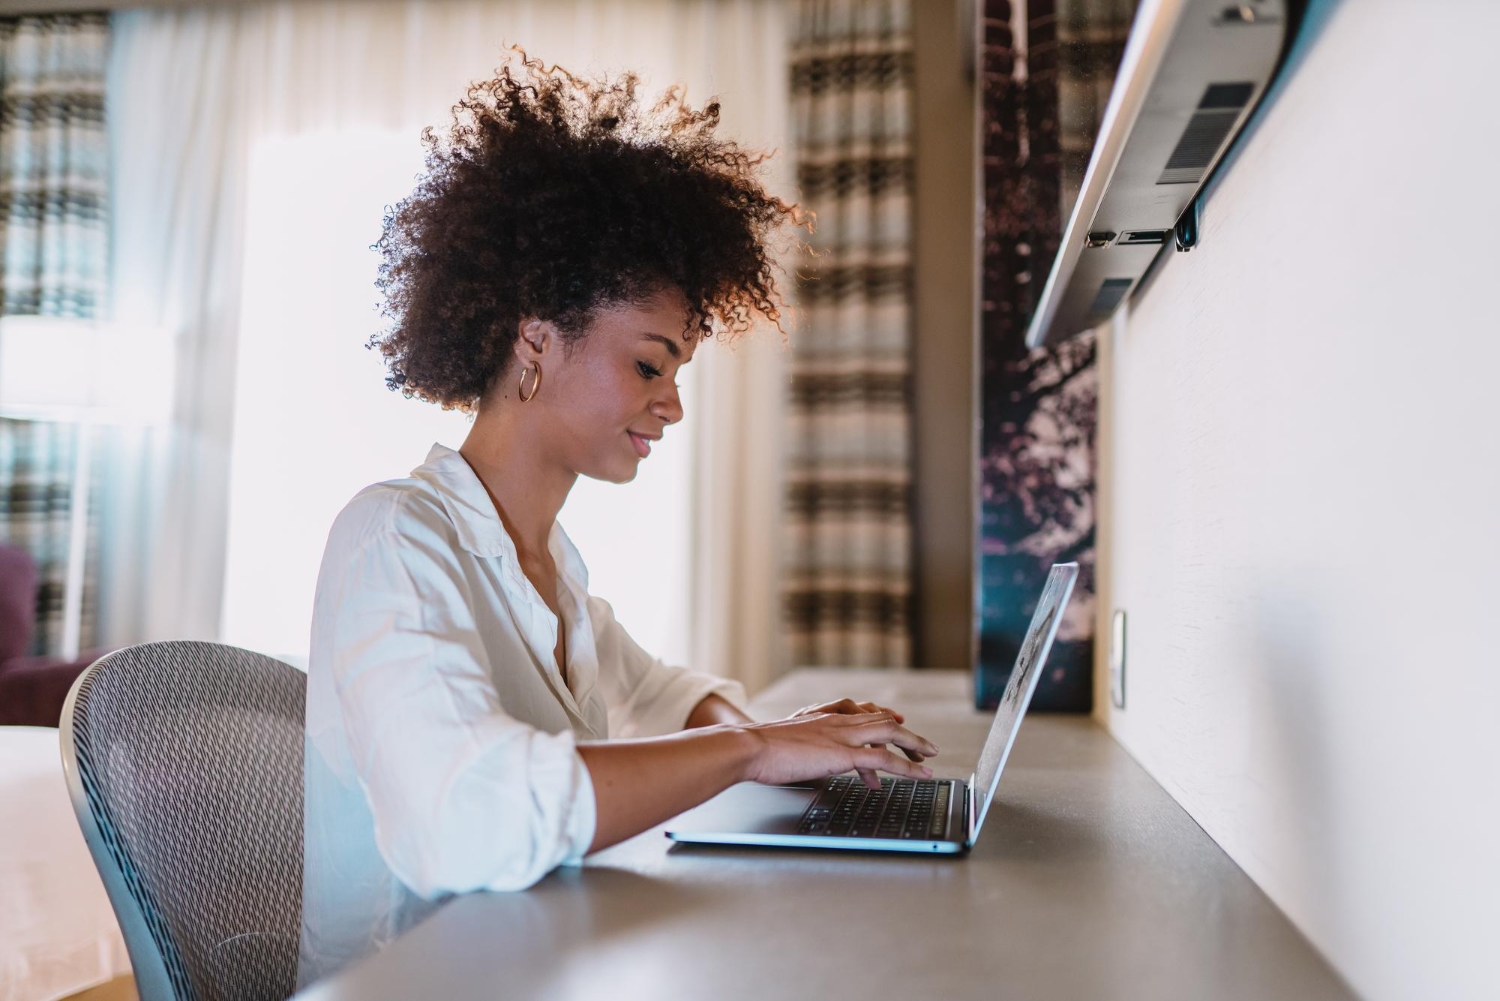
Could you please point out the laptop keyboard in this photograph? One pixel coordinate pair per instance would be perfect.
(901, 809)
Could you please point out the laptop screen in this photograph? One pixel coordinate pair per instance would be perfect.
(1023, 679)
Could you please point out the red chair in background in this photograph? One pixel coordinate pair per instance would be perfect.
(32, 689)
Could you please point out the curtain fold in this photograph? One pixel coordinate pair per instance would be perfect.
(52, 263)
(848, 590)
(198, 91)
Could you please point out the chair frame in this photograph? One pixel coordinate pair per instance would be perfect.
(152, 980)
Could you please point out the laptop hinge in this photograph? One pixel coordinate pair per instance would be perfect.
(969, 815)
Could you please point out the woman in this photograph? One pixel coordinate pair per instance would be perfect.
(474, 717)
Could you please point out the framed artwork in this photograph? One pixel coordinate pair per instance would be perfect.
(1044, 73)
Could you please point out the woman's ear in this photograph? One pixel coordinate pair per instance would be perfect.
(534, 337)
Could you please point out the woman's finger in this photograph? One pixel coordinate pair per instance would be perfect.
(862, 719)
(888, 731)
(846, 706)
(875, 707)
(872, 707)
(849, 707)
(878, 757)
(913, 755)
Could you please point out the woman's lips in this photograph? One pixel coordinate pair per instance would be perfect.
(642, 446)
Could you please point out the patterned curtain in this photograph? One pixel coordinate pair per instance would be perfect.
(1042, 97)
(52, 262)
(849, 563)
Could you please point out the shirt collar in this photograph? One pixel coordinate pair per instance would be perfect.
(480, 530)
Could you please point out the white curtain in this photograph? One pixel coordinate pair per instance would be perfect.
(203, 101)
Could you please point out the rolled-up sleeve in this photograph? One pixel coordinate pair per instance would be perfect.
(463, 796)
(646, 696)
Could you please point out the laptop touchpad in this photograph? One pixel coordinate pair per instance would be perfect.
(748, 807)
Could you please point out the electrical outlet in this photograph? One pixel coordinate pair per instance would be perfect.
(1117, 659)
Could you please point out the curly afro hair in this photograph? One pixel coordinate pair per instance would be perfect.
(552, 196)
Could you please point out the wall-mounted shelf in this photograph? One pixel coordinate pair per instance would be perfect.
(1191, 73)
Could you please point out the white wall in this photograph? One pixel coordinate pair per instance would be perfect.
(1301, 473)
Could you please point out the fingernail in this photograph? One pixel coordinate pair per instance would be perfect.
(927, 772)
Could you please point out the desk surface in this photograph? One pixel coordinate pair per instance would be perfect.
(1088, 881)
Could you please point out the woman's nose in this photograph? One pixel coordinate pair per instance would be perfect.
(669, 408)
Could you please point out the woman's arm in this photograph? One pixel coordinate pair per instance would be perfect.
(640, 783)
(715, 709)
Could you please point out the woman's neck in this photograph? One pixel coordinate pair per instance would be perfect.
(527, 489)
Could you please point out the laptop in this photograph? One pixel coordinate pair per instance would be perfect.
(905, 815)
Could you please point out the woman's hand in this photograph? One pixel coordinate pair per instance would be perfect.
(812, 745)
(855, 708)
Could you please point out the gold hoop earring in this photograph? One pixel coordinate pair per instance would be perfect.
(536, 383)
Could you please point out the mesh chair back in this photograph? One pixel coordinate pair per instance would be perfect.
(184, 762)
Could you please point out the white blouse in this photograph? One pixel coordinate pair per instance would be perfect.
(441, 738)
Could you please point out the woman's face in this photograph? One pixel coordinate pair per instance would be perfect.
(614, 392)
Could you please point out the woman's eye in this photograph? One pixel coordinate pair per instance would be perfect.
(647, 371)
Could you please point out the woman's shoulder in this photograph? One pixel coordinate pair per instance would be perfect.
(407, 508)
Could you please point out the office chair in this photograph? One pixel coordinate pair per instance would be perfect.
(183, 760)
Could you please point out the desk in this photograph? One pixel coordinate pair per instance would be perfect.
(1088, 881)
